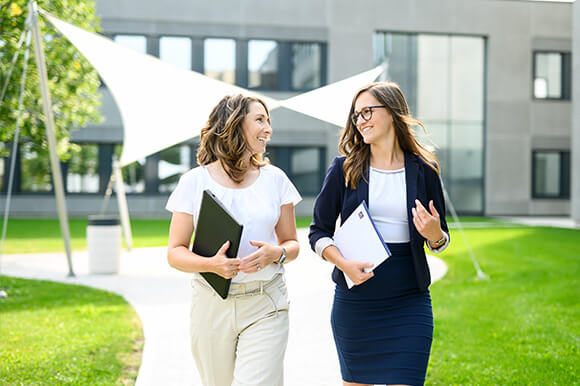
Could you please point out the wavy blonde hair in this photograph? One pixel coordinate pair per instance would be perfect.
(358, 153)
(222, 138)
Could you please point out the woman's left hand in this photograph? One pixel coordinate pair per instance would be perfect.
(428, 224)
(264, 256)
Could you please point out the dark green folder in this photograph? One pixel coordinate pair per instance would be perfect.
(216, 225)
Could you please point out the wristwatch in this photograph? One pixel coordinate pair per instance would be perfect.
(282, 258)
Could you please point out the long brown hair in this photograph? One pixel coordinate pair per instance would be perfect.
(222, 137)
(358, 153)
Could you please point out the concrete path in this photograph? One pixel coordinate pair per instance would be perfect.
(161, 297)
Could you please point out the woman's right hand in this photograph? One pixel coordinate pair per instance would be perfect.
(223, 265)
(356, 271)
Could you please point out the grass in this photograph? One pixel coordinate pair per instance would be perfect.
(521, 326)
(56, 333)
(41, 235)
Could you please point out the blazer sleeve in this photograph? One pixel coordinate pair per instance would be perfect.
(328, 203)
(435, 193)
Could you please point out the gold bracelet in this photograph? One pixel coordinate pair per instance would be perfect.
(440, 242)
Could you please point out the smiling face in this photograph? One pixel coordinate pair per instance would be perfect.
(256, 128)
(380, 126)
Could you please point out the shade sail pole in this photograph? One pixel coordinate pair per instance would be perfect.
(122, 202)
(50, 134)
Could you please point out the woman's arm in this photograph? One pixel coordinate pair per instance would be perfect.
(180, 257)
(268, 253)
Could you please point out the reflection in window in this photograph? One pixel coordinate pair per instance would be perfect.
(262, 64)
(173, 162)
(133, 174)
(82, 169)
(35, 169)
(219, 59)
(305, 170)
(551, 178)
(176, 50)
(134, 42)
(442, 77)
(302, 165)
(305, 66)
(551, 75)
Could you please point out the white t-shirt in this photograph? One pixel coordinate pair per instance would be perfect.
(256, 207)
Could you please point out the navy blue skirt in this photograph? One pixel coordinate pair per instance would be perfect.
(383, 328)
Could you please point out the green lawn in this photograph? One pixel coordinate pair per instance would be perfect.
(520, 327)
(37, 236)
(54, 334)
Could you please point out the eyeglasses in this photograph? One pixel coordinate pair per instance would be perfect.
(366, 113)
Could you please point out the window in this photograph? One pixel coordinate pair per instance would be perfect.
(551, 174)
(263, 64)
(134, 42)
(133, 174)
(176, 50)
(173, 162)
(552, 75)
(306, 66)
(82, 169)
(35, 168)
(442, 77)
(219, 59)
(303, 165)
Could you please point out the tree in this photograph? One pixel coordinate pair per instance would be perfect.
(72, 81)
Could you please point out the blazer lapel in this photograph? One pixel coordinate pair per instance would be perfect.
(362, 190)
(411, 174)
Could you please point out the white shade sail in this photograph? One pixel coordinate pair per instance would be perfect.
(332, 103)
(160, 104)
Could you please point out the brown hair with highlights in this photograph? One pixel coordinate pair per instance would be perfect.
(358, 153)
(222, 137)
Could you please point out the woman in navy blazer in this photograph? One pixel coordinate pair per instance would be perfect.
(383, 326)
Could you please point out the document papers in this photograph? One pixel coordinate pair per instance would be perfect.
(359, 240)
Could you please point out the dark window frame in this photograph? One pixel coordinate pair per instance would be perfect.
(565, 75)
(565, 175)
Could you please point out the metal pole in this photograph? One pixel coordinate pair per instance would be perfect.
(15, 144)
(50, 134)
(122, 202)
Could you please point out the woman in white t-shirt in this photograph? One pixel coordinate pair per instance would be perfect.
(240, 340)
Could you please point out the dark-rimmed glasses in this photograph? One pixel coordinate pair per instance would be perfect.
(366, 113)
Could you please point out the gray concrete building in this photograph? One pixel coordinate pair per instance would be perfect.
(491, 79)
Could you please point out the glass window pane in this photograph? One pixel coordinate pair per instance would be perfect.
(134, 42)
(305, 167)
(173, 162)
(133, 174)
(219, 59)
(442, 77)
(262, 64)
(305, 66)
(35, 169)
(548, 75)
(83, 169)
(176, 50)
(547, 174)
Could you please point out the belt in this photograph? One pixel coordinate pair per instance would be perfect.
(251, 288)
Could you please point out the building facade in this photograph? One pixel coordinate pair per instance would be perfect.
(490, 79)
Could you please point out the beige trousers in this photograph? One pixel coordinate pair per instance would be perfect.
(240, 340)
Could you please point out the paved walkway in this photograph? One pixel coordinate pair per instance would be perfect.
(161, 297)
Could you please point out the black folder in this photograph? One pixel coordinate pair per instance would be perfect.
(216, 225)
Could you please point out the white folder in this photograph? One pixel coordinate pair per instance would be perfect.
(359, 240)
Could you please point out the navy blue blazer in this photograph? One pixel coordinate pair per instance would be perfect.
(422, 183)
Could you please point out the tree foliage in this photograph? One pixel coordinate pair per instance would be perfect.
(72, 81)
